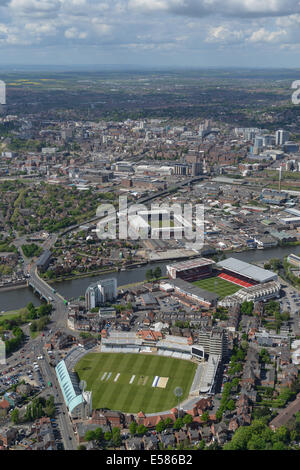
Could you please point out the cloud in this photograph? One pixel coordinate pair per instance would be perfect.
(35, 8)
(73, 33)
(262, 35)
(184, 26)
(100, 28)
(41, 29)
(231, 8)
(223, 34)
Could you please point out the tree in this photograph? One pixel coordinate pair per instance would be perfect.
(275, 264)
(168, 422)
(132, 428)
(285, 316)
(279, 446)
(281, 434)
(188, 419)
(157, 272)
(14, 416)
(81, 447)
(108, 436)
(178, 424)
(256, 443)
(235, 382)
(89, 436)
(201, 445)
(160, 426)
(205, 416)
(30, 307)
(116, 436)
(33, 326)
(141, 430)
(98, 434)
(230, 405)
(44, 309)
(149, 274)
(247, 307)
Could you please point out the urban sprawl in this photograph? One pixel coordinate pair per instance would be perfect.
(163, 343)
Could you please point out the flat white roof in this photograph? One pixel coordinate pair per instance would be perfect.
(247, 270)
(190, 264)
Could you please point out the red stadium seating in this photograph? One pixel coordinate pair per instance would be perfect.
(235, 280)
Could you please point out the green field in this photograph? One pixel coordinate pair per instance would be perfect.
(140, 395)
(217, 285)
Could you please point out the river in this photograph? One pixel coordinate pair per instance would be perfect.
(18, 298)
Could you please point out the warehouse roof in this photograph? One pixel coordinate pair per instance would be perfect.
(248, 270)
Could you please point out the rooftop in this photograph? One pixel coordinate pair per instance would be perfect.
(193, 290)
(247, 270)
(190, 264)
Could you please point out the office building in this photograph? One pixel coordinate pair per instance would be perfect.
(281, 137)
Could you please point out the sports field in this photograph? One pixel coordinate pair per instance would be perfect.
(218, 285)
(124, 382)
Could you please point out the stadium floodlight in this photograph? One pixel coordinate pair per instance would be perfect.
(178, 393)
(82, 385)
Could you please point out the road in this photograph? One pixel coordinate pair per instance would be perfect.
(48, 372)
(59, 319)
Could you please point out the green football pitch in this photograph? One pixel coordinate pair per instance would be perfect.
(218, 285)
(113, 391)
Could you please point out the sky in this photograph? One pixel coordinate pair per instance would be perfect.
(159, 33)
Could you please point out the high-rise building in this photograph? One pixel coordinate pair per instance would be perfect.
(181, 169)
(268, 140)
(281, 137)
(258, 142)
(214, 341)
(101, 292)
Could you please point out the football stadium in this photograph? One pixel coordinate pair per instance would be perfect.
(196, 279)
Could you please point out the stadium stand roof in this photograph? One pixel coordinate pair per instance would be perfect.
(175, 343)
(69, 385)
(195, 291)
(122, 338)
(247, 270)
(191, 264)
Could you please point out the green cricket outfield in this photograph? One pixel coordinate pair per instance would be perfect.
(123, 381)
